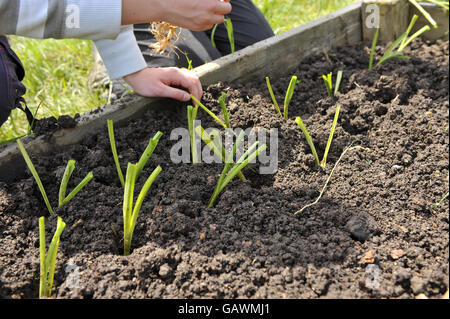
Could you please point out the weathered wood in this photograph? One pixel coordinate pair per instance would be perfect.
(393, 19)
(439, 15)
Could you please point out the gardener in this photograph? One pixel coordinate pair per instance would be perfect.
(195, 47)
(108, 23)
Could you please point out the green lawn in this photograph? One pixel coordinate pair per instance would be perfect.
(57, 71)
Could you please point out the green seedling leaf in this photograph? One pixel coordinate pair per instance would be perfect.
(415, 35)
(219, 121)
(425, 13)
(114, 151)
(402, 42)
(330, 138)
(287, 98)
(230, 32)
(289, 94)
(66, 177)
(338, 81)
(131, 214)
(192, 115)
(230, 170)
(302, 126)
(372, 51)
(327, 79)
(213, 33)
(33, 171)
(78, 188)
(225, 113)
(274, 100)
(442, 200)
(218, 149)
(48, 259)
(147, 153)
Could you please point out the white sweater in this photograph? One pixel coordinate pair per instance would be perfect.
(98, 20)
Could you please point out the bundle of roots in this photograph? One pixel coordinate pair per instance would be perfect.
(166, 36)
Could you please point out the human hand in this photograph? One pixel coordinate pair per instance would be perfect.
(157, 82)
(196, 15)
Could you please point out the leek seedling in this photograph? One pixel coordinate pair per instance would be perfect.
(192, 115)
(130, 213)
(48, 258)
(372, 51)
(302, 126)
(219, 150)
(231, 170)
(287, 98)
(399, 45)
(112, 141)
(144, 157)
(153, 142)
(425, 13)
(63, 187)
(230, 32)
(225, 114)
(329, 83)
(35, 175)
(219, 121)
(189, 61)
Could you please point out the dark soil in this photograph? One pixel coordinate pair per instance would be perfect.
(374, 234)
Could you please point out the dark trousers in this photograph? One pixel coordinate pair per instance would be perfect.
(249, 26)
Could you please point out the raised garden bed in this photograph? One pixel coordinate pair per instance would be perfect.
(374, 233)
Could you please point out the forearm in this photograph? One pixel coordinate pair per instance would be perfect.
(122, 55)
(99, 19)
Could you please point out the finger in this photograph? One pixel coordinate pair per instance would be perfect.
(223, 7)
(191, 82)
(217, 19)
(177, 94)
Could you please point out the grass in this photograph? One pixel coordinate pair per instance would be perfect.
(57, 71)
(288, 14)
(48, 258)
